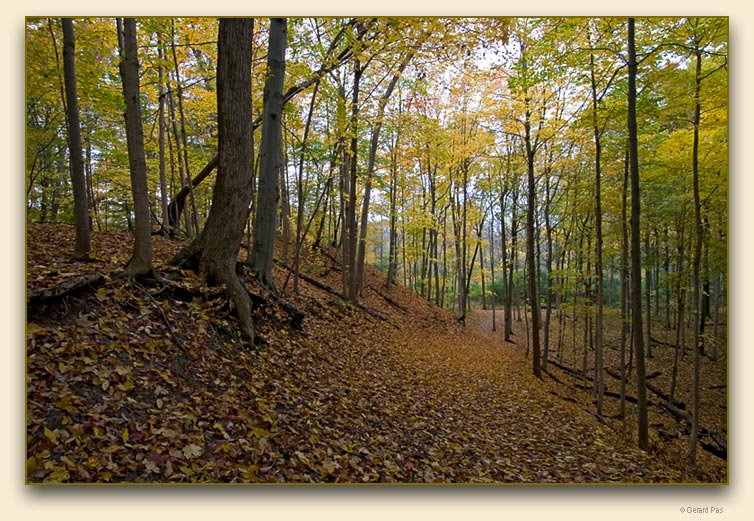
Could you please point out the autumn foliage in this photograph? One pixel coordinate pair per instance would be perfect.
(140, 382)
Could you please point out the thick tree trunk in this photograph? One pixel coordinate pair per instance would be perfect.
(82, 245)
(265, 225)
(217, 246)
(141, 260)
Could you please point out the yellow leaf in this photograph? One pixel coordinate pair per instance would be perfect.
(259, 432)
(58, 475)
(51, 435)
(124, 435)
(31, 464)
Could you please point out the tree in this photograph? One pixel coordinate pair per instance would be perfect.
(82, 246)
(697, 47)
(359, 269)
(633, 154)
(140, 263)
(270, 159)
(215, 251)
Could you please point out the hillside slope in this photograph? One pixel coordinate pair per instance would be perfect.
(151, 383)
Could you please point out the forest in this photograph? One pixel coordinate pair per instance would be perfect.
(376, 250)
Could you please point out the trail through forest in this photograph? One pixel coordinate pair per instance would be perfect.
(137, 383)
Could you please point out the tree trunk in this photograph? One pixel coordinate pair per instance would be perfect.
(512, 291)
(217, 246)
(624, 285)
(530, 250)
(361, 253)
(598, 348)
(636, 318)
(141, 260)
(349, 223)
(194, 222)
(161, 144)
(265, 225)
(300, 235)
(393, 195)
(696, 267)
(82, 245)
(492, 267)
(647, 296)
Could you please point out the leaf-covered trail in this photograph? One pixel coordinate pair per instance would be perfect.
(475, 413)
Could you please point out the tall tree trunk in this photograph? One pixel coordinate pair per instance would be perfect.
(349, 223)
(598, 348)
(647, 296)
(141, 260)
(624, 285)
(161, 143)
(531, 259)
(680, 303)
(93, 210)
(265, 225)
(696, 267)
(512, 291)
(548, 238)
(393, 194)
(300, 235)
(636, 317)
(82, 245)
(194, 222)
(216, 248)
(374, 142)
(492, 268)
(177, 208)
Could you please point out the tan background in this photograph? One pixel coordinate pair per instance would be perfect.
(189, 503)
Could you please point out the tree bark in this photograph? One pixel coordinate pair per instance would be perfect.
(349, 218)
(82, 245)
(636, 318)
(161, 144)
(194, 221)
(598, 347)
(141, 260)
(265, 225)
(696, 267)
(217, 246)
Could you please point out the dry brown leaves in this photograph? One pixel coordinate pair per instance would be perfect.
(128, 383)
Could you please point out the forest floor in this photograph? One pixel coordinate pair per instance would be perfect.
(130, 382)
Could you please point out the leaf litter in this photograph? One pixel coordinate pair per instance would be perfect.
(126, 383)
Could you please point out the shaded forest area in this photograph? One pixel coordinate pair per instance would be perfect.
(377, 249)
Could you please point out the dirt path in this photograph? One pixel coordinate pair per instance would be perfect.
(479, 412)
